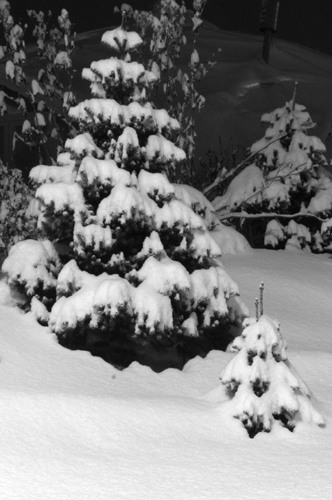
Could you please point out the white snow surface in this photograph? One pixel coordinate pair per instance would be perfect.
(63, 195)
(97, 110)
(118, 70)
(83, 144)
(104, 171)
(120, 39)
(244, 187)
(161, 148)
(50, 174)
(32, 261)
(72, 426)
(110, 293)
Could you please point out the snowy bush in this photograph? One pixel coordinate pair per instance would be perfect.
(263, 386)
(32, 268)
(287, 183)
(16, 221)
(141, 277)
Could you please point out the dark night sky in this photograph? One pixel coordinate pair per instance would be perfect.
(306, 22)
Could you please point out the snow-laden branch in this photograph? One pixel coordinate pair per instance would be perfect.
(265, 215)
(274, 179)
(231, 172)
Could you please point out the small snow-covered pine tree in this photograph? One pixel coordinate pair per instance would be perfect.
(141, 272)
(289, 177)
(263, 386)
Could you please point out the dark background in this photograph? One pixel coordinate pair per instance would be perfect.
(306, 22)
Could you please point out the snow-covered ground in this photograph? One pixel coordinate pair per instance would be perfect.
(73, 427)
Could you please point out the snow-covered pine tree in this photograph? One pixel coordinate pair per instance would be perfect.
(263, 386)
(289, 177)
(142, 277)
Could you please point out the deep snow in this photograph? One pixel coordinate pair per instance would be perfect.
(75, 427)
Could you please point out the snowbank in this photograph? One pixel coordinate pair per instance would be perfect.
(73, 426)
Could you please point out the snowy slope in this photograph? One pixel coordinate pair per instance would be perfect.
(74, 427)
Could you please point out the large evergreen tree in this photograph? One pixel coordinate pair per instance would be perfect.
(141, 277)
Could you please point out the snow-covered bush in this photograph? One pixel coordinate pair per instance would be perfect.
(32, 268)
(296, 236)
(288, 181)
(16, 222)
(264, 388)
(141, 268)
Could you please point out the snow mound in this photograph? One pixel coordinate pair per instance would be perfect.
(229, 240)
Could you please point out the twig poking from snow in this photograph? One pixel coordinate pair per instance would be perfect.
(256, 308)
(261, 291)
(294, 95)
